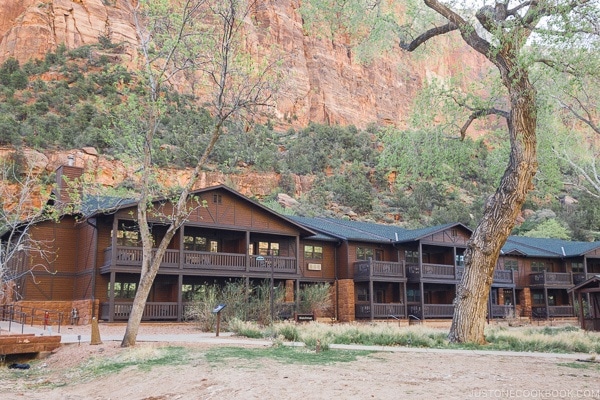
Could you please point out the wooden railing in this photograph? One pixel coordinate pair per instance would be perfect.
(280, 265)
(208, 260)
(551, 279)
(380, 310)
(431, 310)
(434, 271)
(579, 277)
(365, 269)
(132, 256)
(503, 276)
(552, 311)
(160, 311)
(502, 311)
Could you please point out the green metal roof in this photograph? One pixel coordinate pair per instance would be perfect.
(545, 247)
(367, 231)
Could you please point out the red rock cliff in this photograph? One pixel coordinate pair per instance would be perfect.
(326, 84)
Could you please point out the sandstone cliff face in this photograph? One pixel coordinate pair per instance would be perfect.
(325, 83)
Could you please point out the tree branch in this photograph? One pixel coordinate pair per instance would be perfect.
(478, 114)
(431, 33)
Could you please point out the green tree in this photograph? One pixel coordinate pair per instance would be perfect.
(513, 36)
(200, 40)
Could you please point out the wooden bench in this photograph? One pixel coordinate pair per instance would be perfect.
(27, 343)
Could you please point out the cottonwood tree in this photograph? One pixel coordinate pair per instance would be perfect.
(197, 44)
(18, 215)
(514, 36)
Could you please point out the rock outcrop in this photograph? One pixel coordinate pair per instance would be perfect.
(325, 83)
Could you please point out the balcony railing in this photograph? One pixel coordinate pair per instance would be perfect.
(203, 260)
(552, 311)
(551, 279)
(503, 276)
(434, 271)
(579, 277)
(162, 311)
(380, 310)
(387, 269)
(431, 310)
(502, 311)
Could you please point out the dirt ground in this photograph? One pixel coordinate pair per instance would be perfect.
(378, 375)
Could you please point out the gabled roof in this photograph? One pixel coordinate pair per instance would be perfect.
(368, 231)
(593, 282)
(545, 247)
(96, 205)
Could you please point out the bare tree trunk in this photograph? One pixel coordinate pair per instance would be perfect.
(500, 212)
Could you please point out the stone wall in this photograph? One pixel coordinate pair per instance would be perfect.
(346, 310)
(58, 311)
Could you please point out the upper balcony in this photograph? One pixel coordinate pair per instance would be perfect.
(434, 272)
(451, 274)
(366, 270)
(557, 279)
(201, 261)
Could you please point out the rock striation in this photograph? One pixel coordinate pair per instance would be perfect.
(325, 83)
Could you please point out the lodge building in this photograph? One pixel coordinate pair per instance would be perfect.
(376, 271)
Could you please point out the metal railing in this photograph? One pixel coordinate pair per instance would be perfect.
(14, 313)
(380, 310)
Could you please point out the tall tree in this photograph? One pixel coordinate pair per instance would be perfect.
(18, 215)
(198, 44)
(513, 35)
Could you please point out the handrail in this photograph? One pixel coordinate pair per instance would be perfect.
(31, 315)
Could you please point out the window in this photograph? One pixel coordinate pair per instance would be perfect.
(217, 199)
(577, 266)
(460, 260)
(539, 266)
(314, 252)
(413, 295)
(264, 249)
(189, 292)
(128, 234)
(538, 299)
(411, 256)
(511, 265)
(124, 290)
(362, 294)
(363, 253)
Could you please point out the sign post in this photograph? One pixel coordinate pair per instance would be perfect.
(217, 310)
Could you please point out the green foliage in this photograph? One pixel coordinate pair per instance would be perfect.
(315, 298)
(549, 229)
(243, 303)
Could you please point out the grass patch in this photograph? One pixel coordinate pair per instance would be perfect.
(142, 358)
(566, 339)
(283, 354)
(593, 366)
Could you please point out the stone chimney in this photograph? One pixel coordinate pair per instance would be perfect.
(66, 182)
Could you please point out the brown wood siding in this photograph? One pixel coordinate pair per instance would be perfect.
(327, 263)
(344, 266)
(453, 236)
(49, 287)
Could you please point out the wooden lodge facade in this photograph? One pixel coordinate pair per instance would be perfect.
(376, 271)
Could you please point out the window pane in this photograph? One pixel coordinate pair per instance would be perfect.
(308, 251)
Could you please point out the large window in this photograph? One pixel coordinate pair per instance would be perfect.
(200, 243)
(362, 294)
(314, 252)
(124, 290)
(413, 295)
(577, 266)
(538, 299)
(411, 256)
(539, 266)
(511, 265)
(365, 253)
(264, 249)
(128, 234)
